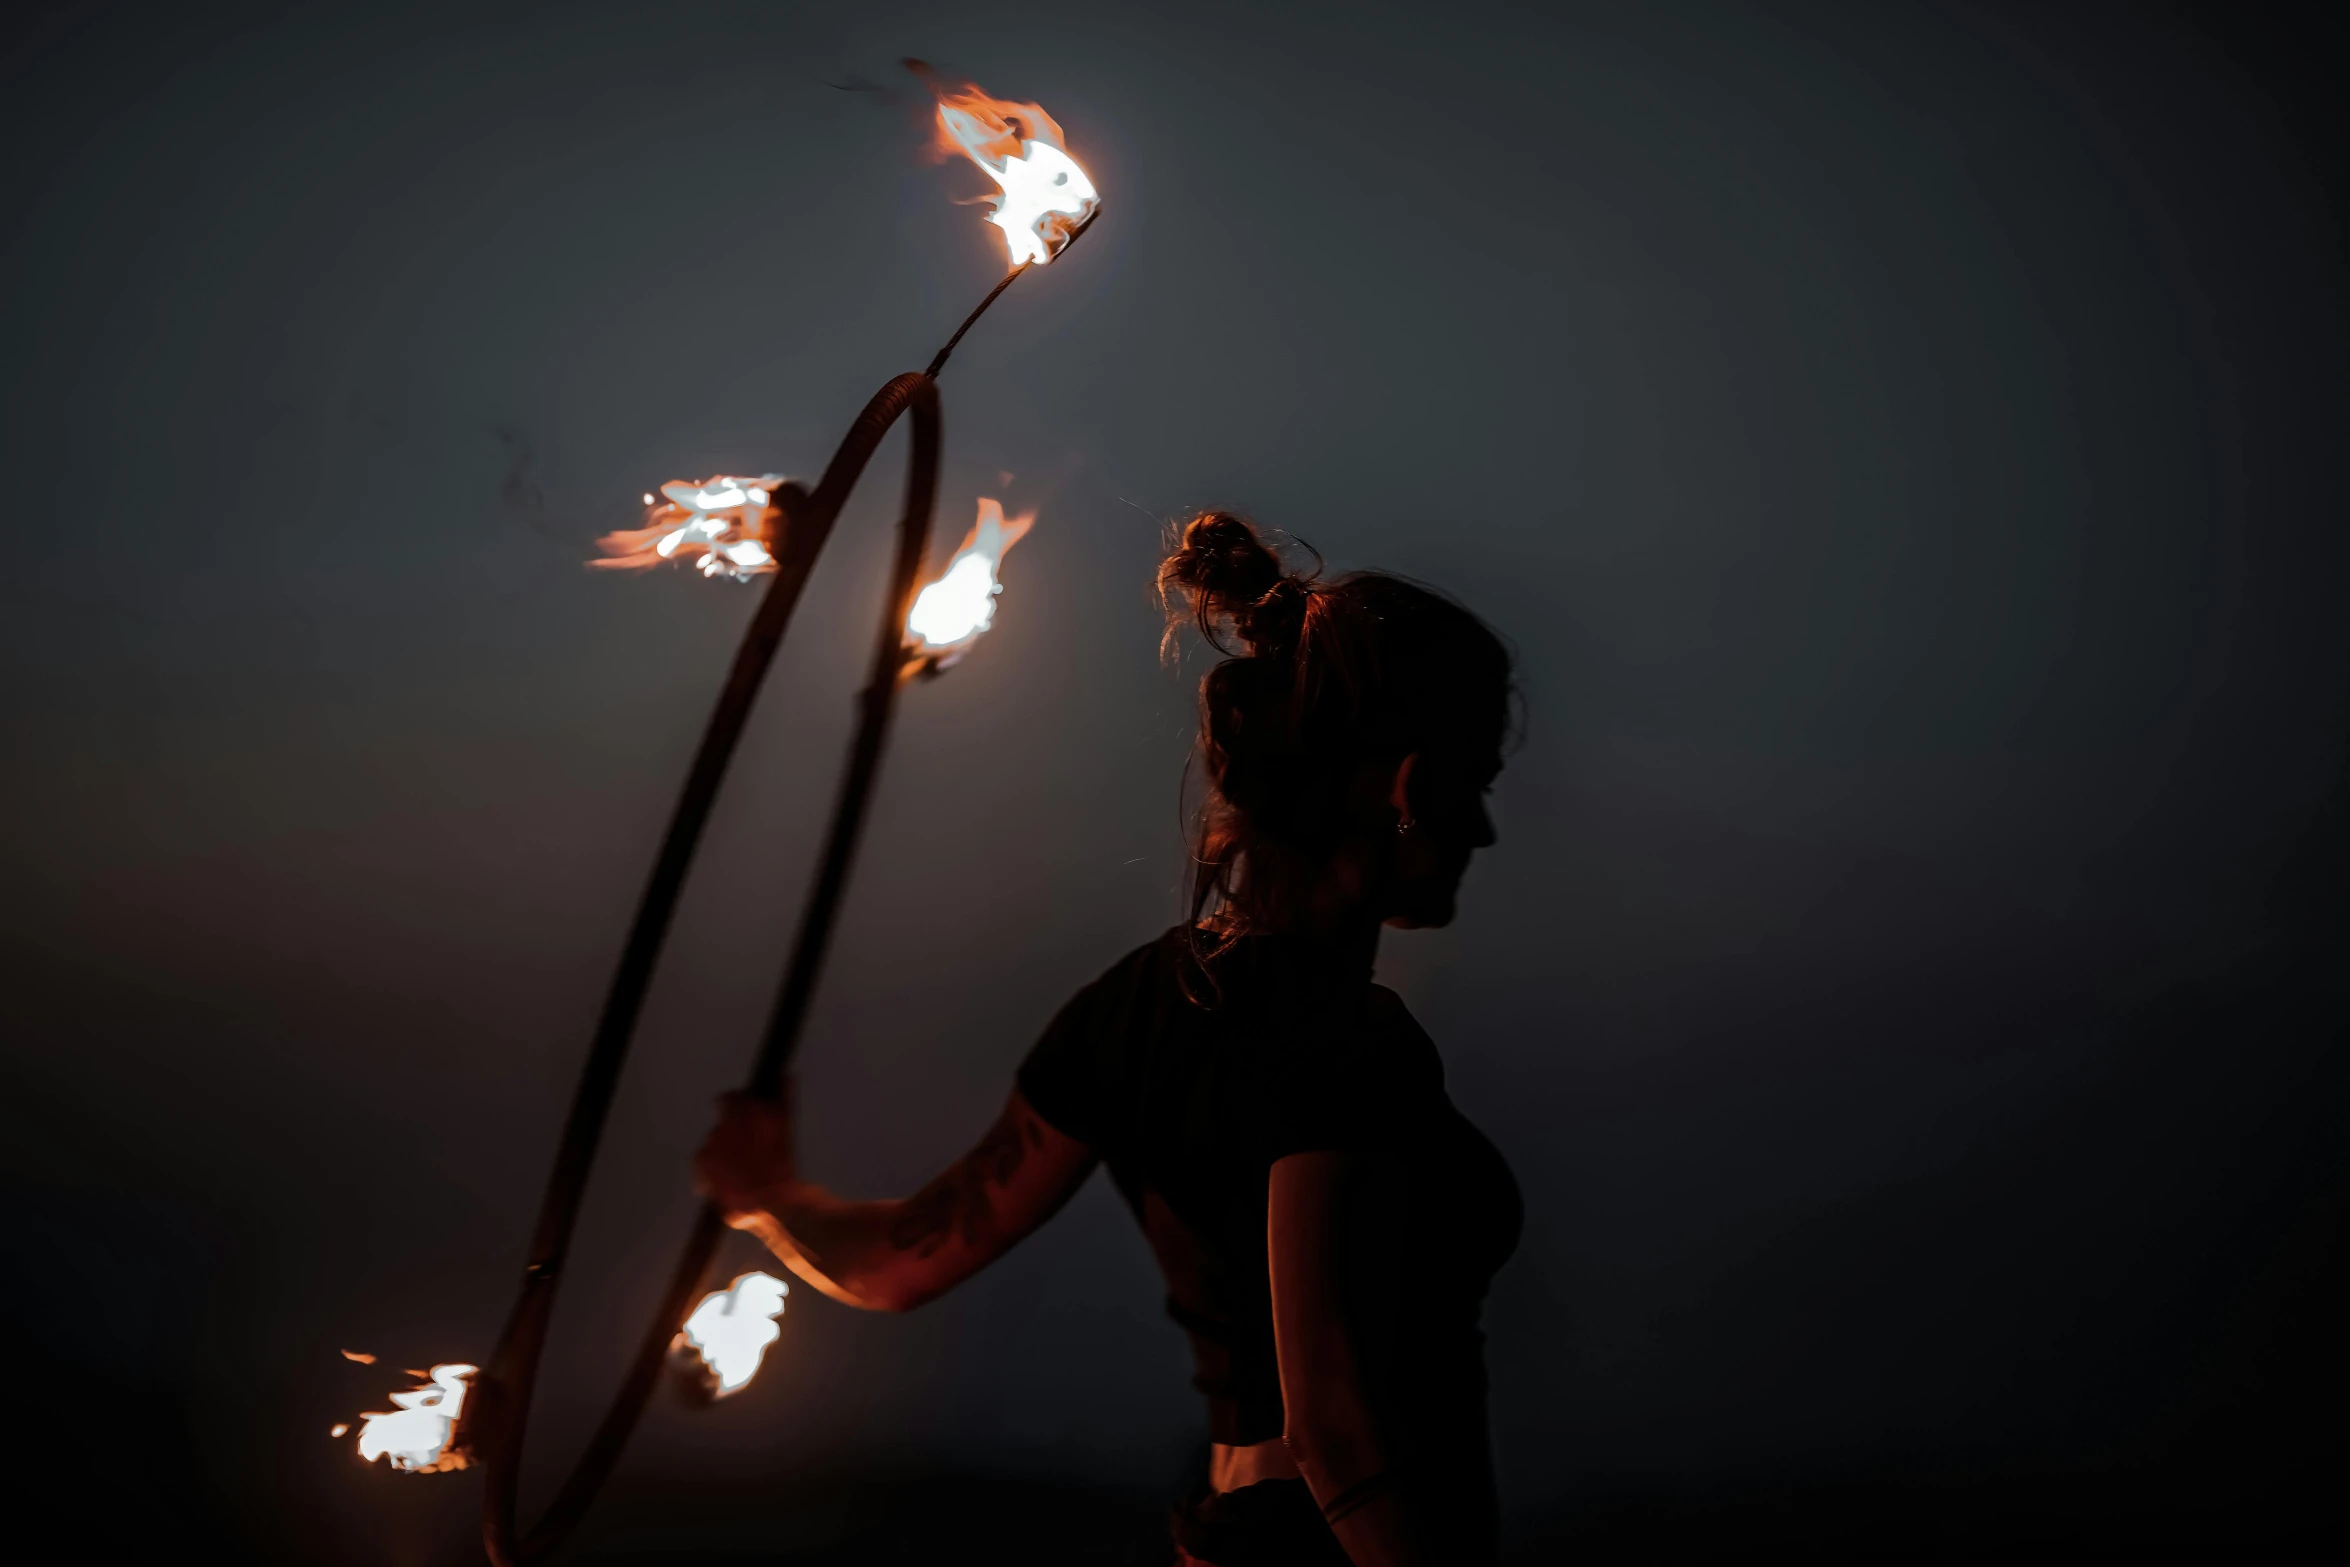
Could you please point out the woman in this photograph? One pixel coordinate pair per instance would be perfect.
(1327, 1222)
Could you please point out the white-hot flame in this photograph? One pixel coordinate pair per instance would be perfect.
(1045, 197)
(733, 1327)
(416, 1435)
(725, 522)
(949, 614)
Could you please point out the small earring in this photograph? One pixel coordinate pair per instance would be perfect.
(1403, 825)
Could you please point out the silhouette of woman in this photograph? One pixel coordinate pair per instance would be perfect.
(1326, 1221)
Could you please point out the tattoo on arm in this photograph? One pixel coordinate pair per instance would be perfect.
(956, 1204)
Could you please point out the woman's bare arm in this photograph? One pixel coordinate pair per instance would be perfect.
(1330, 1426)
(890, 1256)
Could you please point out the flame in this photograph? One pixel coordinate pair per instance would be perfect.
(1045, 197)
(949, 614)
(416, 1435)
(338, 1428)
(728, 522)
(733, 1327)
(359, 1355)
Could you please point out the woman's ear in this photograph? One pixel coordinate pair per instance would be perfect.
(1399, 794)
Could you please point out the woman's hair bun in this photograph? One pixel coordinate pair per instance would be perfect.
(1220, 568)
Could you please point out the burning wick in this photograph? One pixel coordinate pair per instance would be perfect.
(1045, 197)
(724, 521)
(949, 614)
(732, 1329)
(416, 1435)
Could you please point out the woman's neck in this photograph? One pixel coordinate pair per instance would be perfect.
(1347, 945)
(1355, 942)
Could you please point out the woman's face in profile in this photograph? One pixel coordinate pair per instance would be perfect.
(1450, 823)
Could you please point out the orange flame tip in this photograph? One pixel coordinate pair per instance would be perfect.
(726, 525)
(950, 613)
(1044, 196)
(415, 1436)
(732, 1328)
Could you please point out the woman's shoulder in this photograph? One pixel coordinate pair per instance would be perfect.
(1147, 973)
(1380, 1040)
(1386, 1016)
(1071, 1076)
(1108, 1006)
(1168, 982)
(1365, 1080)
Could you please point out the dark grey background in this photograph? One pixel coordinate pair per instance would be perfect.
(1904, 442)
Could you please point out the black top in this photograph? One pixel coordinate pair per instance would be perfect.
(1190, 1105)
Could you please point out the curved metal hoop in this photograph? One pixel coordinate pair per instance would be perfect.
(497, 1417)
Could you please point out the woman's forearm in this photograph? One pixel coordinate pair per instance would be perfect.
(1366, 1500)
(839, 1247)
(893, 1256)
